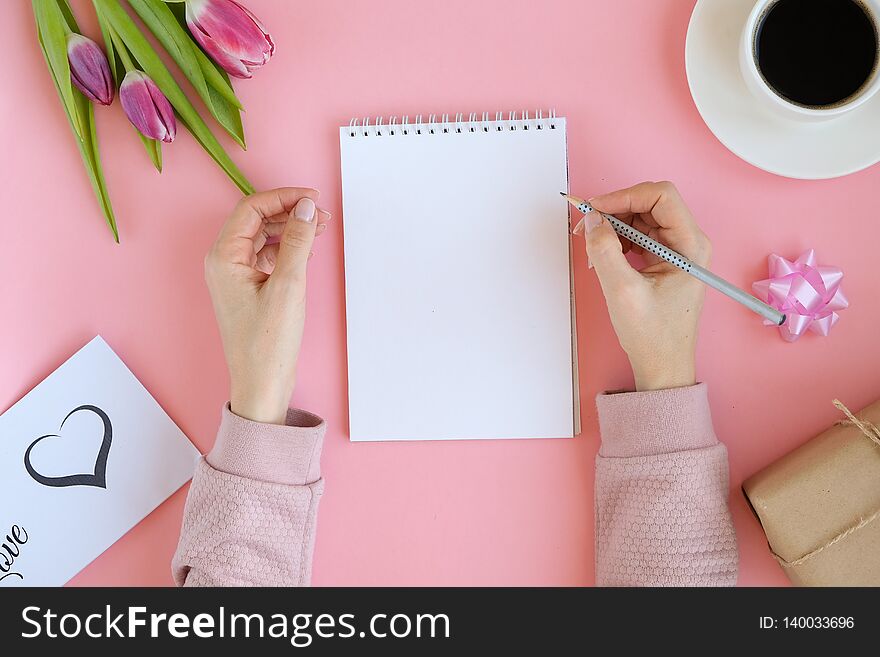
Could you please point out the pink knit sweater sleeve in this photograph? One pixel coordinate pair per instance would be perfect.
(661, 492)
(252, 507)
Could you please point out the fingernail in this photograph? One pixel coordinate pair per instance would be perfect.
(579, 229)
(589, 263)
(304, 210)
(593, 219)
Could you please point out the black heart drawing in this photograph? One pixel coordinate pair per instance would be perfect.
(98, 478)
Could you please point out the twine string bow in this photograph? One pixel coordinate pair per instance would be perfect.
(869, 429)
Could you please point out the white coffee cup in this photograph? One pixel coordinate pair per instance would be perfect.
(782, 106)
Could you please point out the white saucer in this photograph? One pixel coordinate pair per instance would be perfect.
(827, 149)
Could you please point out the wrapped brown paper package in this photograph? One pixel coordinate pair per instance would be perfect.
(820, 507)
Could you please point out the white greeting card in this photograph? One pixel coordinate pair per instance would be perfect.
(84, 456)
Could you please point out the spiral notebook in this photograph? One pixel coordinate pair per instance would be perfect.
(458, 285)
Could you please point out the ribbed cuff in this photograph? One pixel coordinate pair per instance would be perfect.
(655, 421)
(282, 454)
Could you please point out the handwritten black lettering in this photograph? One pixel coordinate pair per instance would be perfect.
(10, 550)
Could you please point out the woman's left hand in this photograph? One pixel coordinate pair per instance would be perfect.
(258, 288)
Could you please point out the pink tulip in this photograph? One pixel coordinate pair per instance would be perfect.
(89, 69)
(232, 35)
(147, 107)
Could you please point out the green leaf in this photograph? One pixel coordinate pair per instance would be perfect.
(88, 145)
(112, 57)
(67, 12)
(140, 48)
(218, 97)
(161, 22)
(52, 25)
(125, 58)
(179, 11)
(154, 150)
(227, 115)
(215, 76)
(92, 158)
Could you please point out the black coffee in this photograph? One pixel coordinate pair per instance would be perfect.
(816, 53)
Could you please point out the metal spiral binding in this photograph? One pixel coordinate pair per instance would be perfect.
(379, 127)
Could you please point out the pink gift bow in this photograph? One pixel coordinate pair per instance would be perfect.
(808, 294)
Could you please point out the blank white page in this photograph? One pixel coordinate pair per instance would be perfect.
(457, 282)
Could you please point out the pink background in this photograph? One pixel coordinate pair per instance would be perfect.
(422, 513)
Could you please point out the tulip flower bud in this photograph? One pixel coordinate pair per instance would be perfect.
(147, 107)
(230, 34)
(89, 69)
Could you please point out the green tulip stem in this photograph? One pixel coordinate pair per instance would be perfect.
(124, 55)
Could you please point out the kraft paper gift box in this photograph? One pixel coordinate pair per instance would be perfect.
(819, 505)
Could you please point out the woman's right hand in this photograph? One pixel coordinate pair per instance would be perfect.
(655, 311)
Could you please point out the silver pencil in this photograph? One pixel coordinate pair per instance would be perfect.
(673, 258)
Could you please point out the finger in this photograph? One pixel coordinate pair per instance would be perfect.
(267, 258)
(660, 200)
(640, 225)
(274, 227)
(627, 218)
(579, 229)
(253, 209)
(296, 241)
(633, 248)
(323, 218)
(606, 254)
(270, 230)
(235, 244)
(648, 219)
